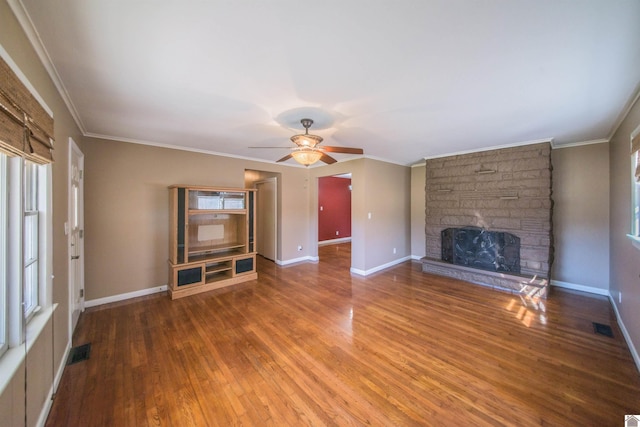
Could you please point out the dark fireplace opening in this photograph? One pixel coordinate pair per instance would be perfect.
(480, 248)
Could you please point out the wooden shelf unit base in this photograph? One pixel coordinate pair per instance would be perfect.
(187, 290)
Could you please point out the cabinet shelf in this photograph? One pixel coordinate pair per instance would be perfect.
(212, 242)
(217, 270)
(216, 211)
(215, 249)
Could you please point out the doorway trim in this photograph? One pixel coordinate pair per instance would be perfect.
(259, 234)
(318, 243)
(76, 279)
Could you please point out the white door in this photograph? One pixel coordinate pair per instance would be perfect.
(75, 230)
(266, 218)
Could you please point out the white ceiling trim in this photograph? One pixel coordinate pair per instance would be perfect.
(189, 149)
(495, 147)
(579, 144)
(32, 34)
(624, 112)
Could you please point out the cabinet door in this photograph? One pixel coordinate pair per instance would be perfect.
(252, 221)
(193, 275)
(177, 250)
(244, 265)
(181, 225)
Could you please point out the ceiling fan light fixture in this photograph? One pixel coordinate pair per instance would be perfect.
(306, 156)
(306, 140)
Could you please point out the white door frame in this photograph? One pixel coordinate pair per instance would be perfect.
(259, 234)
(74, 229)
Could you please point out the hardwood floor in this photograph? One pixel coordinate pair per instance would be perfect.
(312, 345)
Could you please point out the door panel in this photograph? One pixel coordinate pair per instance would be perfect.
(266, 218)
(75, 227)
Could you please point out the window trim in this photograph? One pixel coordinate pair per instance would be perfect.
(4, 318)
(634, 235)
(21, 335)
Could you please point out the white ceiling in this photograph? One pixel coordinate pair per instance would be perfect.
(402, 79)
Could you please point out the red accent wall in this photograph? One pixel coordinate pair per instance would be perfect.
(334, 208)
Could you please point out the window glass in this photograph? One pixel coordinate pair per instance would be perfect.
(636, 199)
(31, 239)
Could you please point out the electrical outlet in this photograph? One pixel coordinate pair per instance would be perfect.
(619, 297)
(369, 215)
(299, 247)
(337, 233)
(394, 250)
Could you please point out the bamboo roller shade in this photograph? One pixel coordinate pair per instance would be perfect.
(26, 129)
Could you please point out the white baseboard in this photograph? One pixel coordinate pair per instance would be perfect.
(417, 257)
(296, 260)
(334, 241)
(378, 268)
(126, 296)
(627, 337)
(582, 288)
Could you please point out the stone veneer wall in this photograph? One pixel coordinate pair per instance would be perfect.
(463, 190)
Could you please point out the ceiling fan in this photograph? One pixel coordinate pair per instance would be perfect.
(308, 150)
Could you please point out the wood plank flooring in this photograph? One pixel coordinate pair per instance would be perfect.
(312, 345)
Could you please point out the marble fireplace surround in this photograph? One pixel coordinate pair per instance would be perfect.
(505, 190)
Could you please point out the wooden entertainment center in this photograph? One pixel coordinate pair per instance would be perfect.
(211, 242)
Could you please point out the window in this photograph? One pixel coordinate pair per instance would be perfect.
(24, 235)
(26, 153)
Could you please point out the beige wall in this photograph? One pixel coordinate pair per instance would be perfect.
(381, 189)
(418, 215)
(388, 199)
(47, 353)
(581, 215)
(127, 209)
(625, 259)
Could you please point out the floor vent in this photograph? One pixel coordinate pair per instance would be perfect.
(601, 329)
(79, 353)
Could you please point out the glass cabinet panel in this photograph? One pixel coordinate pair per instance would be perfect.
(216, 200)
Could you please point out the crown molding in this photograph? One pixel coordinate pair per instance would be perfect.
(181, 148)
(380, 159)
(625, 111)
(36, 42)
(580, 143)
(495, 147)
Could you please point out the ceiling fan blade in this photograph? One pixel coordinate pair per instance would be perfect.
(287, 157)
(285, 148)
(327, 159)
(346, 150)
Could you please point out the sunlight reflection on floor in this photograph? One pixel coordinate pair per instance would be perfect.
(527, 309)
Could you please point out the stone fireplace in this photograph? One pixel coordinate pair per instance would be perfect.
(488, 218)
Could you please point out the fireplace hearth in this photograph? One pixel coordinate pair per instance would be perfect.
(477, 247)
